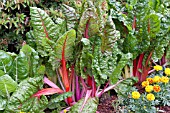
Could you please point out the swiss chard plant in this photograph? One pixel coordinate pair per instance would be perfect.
(20, 79)
(83, 54)
(146, 31)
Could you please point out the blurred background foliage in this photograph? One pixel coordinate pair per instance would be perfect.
(15, 20)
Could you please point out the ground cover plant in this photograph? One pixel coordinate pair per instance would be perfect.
(74, 54)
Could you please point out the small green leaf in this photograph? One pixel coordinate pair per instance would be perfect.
(7, 84)
(5, 61)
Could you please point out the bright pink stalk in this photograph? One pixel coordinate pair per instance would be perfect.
(86, 98)
(47, 81)
(48, 91)
(139, 66)
(77, 89)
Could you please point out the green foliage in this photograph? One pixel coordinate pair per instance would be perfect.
(90, 106)
(50, 43)
(5, 62)
(55, 102)
(35, 105)
(7, 85)
(125, 87)
(149, 32)
(26, 63)
(18, 69)
(71, 17)
(24, 92)
(15, 20)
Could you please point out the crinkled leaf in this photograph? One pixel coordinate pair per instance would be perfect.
(117, 71)
(20, 67)
(90, 106)
(26, 63)
(48, 49)
(41, 70)
(5, 61)
(153, 22)
(23, 93)
(35, 105)
(85, 59)
(31, 39)
(56, 100)
(32, 58)
(42, 24)
(125, 86)
(7, 84)
(3, 102)
(71, 16)
(109, 35)
(46, 34)
(89, 18)
(66, 41)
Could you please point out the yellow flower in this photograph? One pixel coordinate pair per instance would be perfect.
(65, 110)
(145, 83)
(135, 95)
(150, 97)
(149, 88)
(144, 107)
(167, 71)
(157, 67)
(156, 79)
(164, 79)
(156, 88)
(150, 80)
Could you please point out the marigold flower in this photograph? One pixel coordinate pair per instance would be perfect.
(156, 88)
(150, 97)
(164, 79)
(149, 88)
(145, 83)
(156, 79)
(135, 95)
(150, 80)
(157, 67)
(167, 71)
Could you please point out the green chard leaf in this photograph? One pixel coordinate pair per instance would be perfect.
(42, 24)
(90, 106)
(71, 16)
(66, 41)
(7, 85)
(23, 93)
(54, 102)
(32, 57)
(88, 26)
(3, 102)
(5, 62)
(35, 105)
(85, 59)
(45, 31)
(25, 64)
(120, 65)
